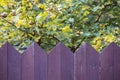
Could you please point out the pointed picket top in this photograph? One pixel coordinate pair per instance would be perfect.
(10, 47)
(86, 46)
(86, 63)
(60, 47)
(34, 63)
(36, 46)
(60, 63)
(110, 47)
(33, 48)
(29, 50)
(5, 45)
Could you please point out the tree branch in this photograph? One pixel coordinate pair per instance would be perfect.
(7, 21)
(103, 9)
(79, 44)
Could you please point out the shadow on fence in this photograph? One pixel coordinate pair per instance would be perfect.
(60, 64)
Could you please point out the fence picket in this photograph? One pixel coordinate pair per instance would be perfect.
(86, 62)
(60, 63)
(34, 63)
(110, 62)
(11, 63)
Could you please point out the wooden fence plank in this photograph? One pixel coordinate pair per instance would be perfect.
(40, 63)
(86, 63)
(34, 63)
(60, 63)
(14, 63)
(107, 63)
(11, 63)
(28, 63)
(110, 62)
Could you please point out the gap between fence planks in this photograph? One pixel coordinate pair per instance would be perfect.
(60, 63)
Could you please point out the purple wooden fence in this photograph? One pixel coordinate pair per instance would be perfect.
(60, 63)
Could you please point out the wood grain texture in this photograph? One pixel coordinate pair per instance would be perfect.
(60, 63)
(110, 63)
(86, 63)
(10, 63)
(34, 63)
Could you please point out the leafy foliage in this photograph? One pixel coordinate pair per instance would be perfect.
(49, 22)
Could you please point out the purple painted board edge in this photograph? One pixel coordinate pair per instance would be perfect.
(116, 62)
(3, 62)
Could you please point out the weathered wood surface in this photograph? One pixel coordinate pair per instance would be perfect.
(110, 63)
(86, 63)
(34, 63)
(10, 63)
(60, 64)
